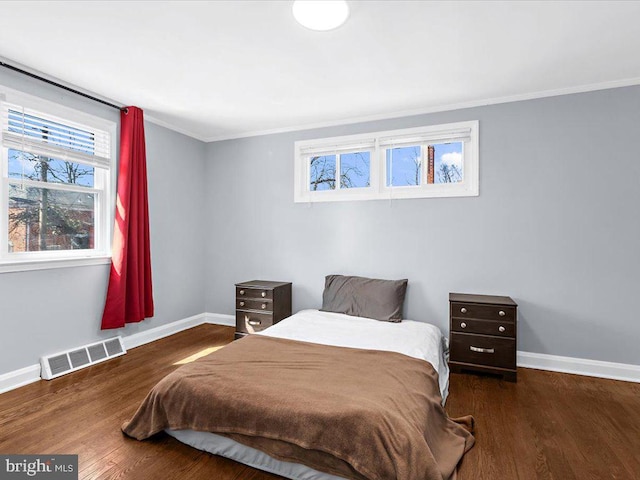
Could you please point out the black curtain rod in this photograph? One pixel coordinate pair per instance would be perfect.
(55, 84)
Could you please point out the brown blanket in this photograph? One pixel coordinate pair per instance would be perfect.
(362, 414)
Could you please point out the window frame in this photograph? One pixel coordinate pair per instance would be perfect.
(103, 189)
(378, 143)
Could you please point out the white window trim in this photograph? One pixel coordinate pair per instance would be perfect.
(378, 190)
(105, 208)
(25, 266)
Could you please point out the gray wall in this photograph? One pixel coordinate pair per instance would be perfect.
(42, 312)
(555, 226)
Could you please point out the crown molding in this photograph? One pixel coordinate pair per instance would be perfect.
(629, 82)
(359, 119)
(171, 126)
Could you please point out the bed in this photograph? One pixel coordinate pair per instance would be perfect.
(318, 396)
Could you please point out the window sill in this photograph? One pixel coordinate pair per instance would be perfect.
(399, 193)
(27, 265)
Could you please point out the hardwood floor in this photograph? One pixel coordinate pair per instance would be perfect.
(546, 426)
(549, 426)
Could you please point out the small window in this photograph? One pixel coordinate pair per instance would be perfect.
(323, 172)
(442, 164)
(445, 161)
(355, 170)
(404, 166)
(432, 161)
(56, 165)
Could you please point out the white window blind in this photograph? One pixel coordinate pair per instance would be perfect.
(361, 145)
(42, 134)
(453, 135)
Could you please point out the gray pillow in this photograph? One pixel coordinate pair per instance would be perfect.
(364, 297)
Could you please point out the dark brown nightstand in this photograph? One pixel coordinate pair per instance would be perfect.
(483, 334)
(260, 304)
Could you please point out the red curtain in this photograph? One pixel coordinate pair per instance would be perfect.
(130, 296)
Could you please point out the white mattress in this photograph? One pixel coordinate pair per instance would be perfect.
(415, 339)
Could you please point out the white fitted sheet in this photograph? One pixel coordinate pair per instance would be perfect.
(415, 339)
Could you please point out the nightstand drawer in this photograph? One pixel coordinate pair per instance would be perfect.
(250, 322)
(487, 312)
(483, 350)
(485, 327)
(247, 292)
(260, 304)
(254, 304)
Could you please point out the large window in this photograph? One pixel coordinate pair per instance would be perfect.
(432, 161)
(55, 194)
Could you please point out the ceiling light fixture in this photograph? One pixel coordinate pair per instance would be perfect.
(321, 15)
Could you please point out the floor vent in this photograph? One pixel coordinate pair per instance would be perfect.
(66, 362)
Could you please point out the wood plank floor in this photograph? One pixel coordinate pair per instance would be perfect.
(547, 426)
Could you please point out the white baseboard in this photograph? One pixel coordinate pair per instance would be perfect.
(153, 334)
(540, 361)
(220, 319)
(18, 378)
(30, 374)
(580, 366)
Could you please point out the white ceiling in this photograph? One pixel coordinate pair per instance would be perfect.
(227, 69)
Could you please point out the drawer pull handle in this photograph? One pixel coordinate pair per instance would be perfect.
(463, 325)
(264, 294)
(463, 310)
(241, 292)
(264, 305)
(481, 350)
(242, 304)
(501, 313)
(254, 322)
(501, 329)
